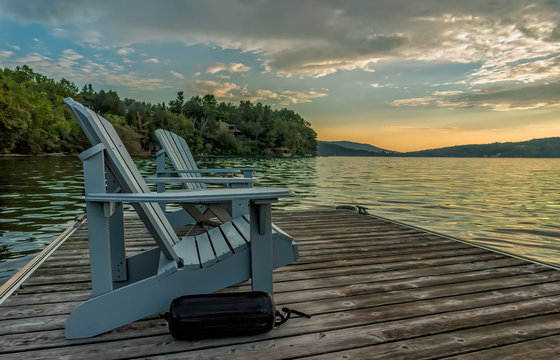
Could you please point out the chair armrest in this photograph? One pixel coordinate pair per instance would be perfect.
(210, 171)
(200, 171)
(198, 196)
(206, 180)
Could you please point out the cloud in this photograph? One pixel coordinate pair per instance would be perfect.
(152, 60)
(71, 65)
(71, 54)
(415, 102)
(97, 66)
(379, 86)
(231, 67)
(57, 67)
(6, 53)
(266, 94)
(527, 72)
(85, 36)
(134, 80)
(232, 92)
(295, 97)
(115, 66)
(327, 57)
(498, 98)
(221, 90)
(32, 58)
(125, 51)
(317, 38)
(177, 75)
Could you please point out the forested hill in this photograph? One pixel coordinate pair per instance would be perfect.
(537, 148)
(348, 148)
(34, 119)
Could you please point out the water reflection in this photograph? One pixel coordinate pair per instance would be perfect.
(510, 204)
(38, 195)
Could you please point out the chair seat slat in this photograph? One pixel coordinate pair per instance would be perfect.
(186, 249)
(221, 247)
(205, 251)
(233, 236)
(243, 227)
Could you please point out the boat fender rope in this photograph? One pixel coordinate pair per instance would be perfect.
(362, 210)
(281, 318)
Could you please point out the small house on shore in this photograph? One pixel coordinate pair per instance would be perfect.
(153, 147)
(233, 129)
(88, 104)
(281, 152)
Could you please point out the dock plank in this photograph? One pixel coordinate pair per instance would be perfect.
(543, 348)
(377, 290)
(516, 333)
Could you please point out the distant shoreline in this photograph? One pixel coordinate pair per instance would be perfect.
(536, 148)
(297, 157)
(442, 157)
(41, 154)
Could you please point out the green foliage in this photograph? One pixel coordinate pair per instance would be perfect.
(129, 137)
(34, 119)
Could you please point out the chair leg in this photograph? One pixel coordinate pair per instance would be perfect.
(261, 246)
(118, 251)
(99, 236)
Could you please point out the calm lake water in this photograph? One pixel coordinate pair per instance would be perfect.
(510, 204)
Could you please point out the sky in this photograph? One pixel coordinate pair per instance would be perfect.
(401, 75)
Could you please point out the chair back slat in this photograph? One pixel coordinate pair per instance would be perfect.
(179, 162)
(100, 131)
(180, 156)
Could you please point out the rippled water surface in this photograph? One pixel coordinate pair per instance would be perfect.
(510, 204)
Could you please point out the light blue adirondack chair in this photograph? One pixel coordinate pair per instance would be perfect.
(186, 171)
(176, 149)
(125, 289)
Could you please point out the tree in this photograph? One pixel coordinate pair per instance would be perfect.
(70, 87)
(176, 106)
(34, 119)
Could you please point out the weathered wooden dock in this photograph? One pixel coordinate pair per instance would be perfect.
(376, 290)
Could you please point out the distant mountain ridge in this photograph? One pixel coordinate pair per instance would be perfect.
(349, 148)
(538, 148)
(358, 146)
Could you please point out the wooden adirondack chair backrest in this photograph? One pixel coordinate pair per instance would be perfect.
(100, 131)
(180, 156)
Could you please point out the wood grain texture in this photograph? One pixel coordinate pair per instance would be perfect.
(376, 290)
